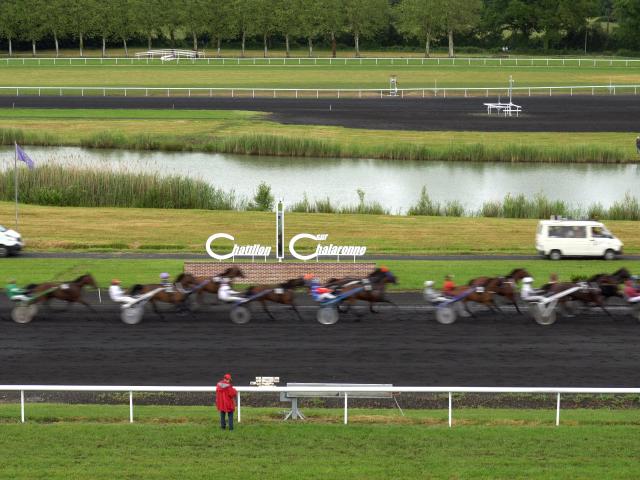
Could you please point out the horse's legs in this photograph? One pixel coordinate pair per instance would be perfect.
(293, 305)
(466, 307)
(84, 302)
(264, 306)
(155, 309)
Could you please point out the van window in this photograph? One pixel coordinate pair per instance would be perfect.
(568, 232)
(600, 232)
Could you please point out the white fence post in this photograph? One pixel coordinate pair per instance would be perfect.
(239, 410)
(130, 406)
(450, 411)
(558, 411)
(346, 409)
(22, 406)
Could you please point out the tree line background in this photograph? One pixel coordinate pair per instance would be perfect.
(477, 25)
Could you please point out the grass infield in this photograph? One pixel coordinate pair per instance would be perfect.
(310, 76)
(95, 442)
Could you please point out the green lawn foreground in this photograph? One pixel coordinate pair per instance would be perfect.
(96, 442)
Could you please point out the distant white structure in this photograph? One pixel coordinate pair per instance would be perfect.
(170, 54)
(393, 86)
(508, 109)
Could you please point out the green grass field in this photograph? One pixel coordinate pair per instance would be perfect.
(230, 131)
(94, 442)
(309, 76)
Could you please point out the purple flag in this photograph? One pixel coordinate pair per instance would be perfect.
(23, 157)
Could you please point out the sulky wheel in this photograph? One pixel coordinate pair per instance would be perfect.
(544, 316)
(636, 311)
(132, 315)
(446, 315)
(24, 313)
(240, 315)
(327, 315)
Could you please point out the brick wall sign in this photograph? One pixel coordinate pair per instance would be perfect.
(268, 273)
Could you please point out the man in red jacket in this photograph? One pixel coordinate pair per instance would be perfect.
(225, 400)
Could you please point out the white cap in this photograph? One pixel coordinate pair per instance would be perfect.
(428, 283)
(527, 280)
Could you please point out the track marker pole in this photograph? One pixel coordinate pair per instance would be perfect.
(130, 406)
(558, 410)
(22, 406)
(239, 410)
(450, 411)
(346, 410)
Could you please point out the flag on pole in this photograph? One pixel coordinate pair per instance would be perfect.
(23, 157)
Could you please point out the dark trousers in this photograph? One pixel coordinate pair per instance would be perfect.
(223, 422)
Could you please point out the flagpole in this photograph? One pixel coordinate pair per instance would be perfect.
(15, 177)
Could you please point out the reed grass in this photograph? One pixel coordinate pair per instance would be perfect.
(61, 185)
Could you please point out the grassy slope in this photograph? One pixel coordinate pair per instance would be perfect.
(195, 128)
(337, 76)
(486, 444)
(187, 230)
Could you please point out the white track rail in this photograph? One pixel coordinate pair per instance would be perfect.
(344, 391)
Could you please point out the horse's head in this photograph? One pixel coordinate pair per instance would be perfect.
(294, 283)
(232, 272)
(518, 274)
(86, 279)
(622, 274)
(186, 280)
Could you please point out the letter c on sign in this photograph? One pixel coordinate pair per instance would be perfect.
(214, 237)
(292, 246)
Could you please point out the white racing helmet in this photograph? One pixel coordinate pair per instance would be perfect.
(527, 280)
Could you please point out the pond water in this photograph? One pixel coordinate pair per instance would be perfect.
(395, 184)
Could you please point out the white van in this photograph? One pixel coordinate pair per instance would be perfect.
(576, 238)
(10, 242)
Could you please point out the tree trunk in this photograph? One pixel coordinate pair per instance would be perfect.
(218, 46)
(264, 40)
(450, 43)
(195, 41)
(81, 45)
(149, 42)
(357, 38)
(310, 47)
(286, 42)
(10, 47)
(33, 47)
(104, 46)
(55, 39)
(172, 36)
(244, 38)
(333, 45)
(427, 47)
(126, 50)
(586, 32)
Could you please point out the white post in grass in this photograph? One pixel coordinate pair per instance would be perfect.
(130, 406)
(239, 411)
(450, 411)
(346, 410)
(558, 410)
(22, 405)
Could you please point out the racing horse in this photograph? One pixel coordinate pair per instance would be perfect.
(175, 294)
(608, 284)
(202, 285)
(589, 295)
(371, 290)
(70, 292)
(283, 294)
(505, 287)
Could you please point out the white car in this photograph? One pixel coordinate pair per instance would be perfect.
(576, 238)
(10, 242)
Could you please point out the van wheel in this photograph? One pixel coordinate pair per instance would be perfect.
(609, 255)
(555, 255)
(4, 251)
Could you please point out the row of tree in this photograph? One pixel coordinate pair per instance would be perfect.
(514, 22)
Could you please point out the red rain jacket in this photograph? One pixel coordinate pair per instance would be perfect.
(225, 397)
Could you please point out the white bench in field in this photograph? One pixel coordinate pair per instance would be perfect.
(333, 391)
(508, 109)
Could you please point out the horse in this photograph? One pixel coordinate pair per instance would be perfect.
(608, 284)
(590, 295)
(211, 285)
(70, 292)
(176, 296)
(371, 290)
(283, 294)
(502, 286)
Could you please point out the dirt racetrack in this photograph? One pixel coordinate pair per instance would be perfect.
(401, 346)
(562, 113)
